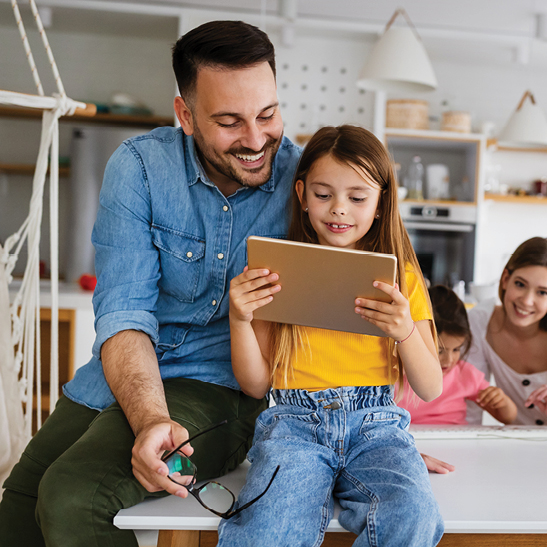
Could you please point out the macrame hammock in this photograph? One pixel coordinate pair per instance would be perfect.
(20, 366)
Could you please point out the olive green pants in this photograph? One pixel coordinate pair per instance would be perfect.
(75, 473)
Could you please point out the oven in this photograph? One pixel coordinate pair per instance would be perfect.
(443, 237)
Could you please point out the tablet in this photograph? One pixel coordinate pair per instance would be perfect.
(319, 284)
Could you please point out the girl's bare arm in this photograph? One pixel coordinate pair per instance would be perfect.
(421, 364)
(249, 338)
(416, 347)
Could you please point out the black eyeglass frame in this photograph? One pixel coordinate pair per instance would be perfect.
(195, 491)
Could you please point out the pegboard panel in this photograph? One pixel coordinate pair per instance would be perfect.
(316, 81)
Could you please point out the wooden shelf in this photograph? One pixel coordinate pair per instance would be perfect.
(438, 202)
(451, 136)
(124, 120)
(28, 169)
(434, 135)
(492, 144)
(536, 200)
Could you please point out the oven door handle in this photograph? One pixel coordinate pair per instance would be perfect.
(438, 226)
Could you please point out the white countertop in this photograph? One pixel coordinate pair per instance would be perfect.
(71, 295)
(499, 486)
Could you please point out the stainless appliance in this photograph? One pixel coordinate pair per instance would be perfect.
(443, 237)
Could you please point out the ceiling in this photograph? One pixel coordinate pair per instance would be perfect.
(479, 31)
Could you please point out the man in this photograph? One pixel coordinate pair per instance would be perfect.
(175, 210)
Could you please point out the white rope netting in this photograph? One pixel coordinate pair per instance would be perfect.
(20, 366)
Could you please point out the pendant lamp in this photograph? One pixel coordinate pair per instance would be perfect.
(527, 127)
(398, 62)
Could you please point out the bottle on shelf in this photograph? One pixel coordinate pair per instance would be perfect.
(415, 179)
(463, 190)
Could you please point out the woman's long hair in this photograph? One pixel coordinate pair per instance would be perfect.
(533, 252)
(361, 150)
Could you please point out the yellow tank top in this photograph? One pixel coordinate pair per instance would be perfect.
(335, 358)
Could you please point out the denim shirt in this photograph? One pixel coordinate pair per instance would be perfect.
(167, 244)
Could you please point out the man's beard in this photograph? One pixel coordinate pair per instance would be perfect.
(226, 168)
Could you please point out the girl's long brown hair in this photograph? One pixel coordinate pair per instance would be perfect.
(361, 150)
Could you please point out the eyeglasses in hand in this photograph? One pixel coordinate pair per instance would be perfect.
(211, 495)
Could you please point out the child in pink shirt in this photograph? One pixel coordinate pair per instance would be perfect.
(461, 380)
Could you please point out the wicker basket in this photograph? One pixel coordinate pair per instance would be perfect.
(456, 121)
(407, 114)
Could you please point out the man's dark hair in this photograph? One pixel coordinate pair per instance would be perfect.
(219, 44)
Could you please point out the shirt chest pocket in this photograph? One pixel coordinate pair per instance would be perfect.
(181, 262)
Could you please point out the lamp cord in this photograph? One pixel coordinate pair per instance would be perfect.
(402, 11)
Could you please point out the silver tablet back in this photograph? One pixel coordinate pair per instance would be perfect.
(319, 284)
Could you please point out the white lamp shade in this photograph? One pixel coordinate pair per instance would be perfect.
(398, 63)
(527, 127)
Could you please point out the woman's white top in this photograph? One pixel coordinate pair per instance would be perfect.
(517, 386)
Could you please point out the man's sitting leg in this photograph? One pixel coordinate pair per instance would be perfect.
(64, 427)
(92, 480)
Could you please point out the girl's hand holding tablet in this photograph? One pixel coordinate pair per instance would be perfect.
(249, 291)
(393, 318)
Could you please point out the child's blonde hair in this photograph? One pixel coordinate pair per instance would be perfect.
(361, 150)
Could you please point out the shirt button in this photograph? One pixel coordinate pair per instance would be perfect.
(225, 208)
(525, 382)
(189, 254)
(214, 302)
(220, 256)
(539, 422)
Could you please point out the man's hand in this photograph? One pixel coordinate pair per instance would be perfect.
(150, 445)
(437, 466)
(131, 369)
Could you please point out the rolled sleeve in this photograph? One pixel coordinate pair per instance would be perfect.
(126, 260)
(110, 324)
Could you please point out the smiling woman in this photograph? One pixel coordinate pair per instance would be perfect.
(509, 340)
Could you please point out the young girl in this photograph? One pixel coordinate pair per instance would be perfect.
(461, 380)
(335, 430)
(509, 340)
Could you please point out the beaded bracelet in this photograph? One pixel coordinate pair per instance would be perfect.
(404, 339)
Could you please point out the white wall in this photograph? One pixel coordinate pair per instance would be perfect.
(316, 82)
(504, 227)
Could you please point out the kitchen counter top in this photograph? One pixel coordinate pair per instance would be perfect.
(71, 295)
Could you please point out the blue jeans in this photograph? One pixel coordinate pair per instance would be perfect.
(350, 443)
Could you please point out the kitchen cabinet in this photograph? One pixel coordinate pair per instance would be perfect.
(67, 327)
(460, 152)
(512, 170)
(508, 220)
(443, 232)
(76, 334)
